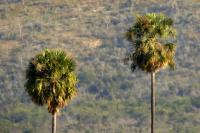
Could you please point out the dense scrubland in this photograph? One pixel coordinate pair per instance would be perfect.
(111, 99)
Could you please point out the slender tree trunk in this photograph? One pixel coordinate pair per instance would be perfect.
(153, 99)
(54, 123)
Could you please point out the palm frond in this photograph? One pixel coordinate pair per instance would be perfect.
(148, 53)
(51, 79)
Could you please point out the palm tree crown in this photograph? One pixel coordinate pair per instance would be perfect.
(51, 79)
(147, 36)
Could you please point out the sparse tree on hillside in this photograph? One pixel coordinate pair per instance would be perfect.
(51, 81)
(150, 49)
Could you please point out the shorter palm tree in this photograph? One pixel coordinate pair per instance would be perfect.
(51, 81)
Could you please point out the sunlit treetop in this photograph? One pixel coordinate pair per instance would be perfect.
(149, 53)
(51, 79)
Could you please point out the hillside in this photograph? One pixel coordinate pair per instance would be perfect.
(111, 99)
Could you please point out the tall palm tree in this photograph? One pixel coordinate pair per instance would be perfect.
(51, 81)
(151, 50)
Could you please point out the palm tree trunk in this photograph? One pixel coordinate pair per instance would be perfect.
(54, 123)
(153, 99)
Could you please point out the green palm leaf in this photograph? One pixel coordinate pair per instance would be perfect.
(51, 79)
(148, 53)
